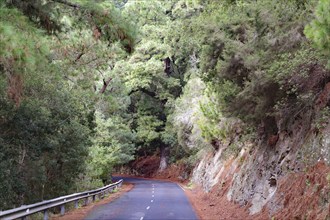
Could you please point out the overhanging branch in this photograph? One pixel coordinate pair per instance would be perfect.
(67, 3)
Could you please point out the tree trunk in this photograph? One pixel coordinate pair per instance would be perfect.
(164, 152)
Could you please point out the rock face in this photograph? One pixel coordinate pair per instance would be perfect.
(208, 171)
(285, 172)
(260, 174)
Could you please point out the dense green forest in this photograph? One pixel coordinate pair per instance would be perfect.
(87, 86)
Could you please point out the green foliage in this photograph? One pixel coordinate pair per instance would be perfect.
(249, 51)
(152, 91)
(256, 65)
(323, 119)
(184, 124)
(112, 145)
(111, 24)
(50, 135)
(318, 30)
(102, 18)
(147, 128)
(19, 53)
(45, 140)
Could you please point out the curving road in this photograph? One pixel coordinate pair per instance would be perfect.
(149, 199)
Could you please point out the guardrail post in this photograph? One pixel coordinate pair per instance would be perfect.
(46, 214)
(63, 209)
(93, 198)
(86, 201)
(76, 204)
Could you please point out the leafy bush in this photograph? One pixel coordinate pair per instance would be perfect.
(319, 29)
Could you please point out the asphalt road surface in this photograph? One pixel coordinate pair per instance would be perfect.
(149, 199)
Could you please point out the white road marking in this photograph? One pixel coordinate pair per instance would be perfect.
(152, 200)
(181, 187)
(141, 218)
(153, 195)
(148, 207)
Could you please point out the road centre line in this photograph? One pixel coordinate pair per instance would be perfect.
(148, 207)
(141, 218)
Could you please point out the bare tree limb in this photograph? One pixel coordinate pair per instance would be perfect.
(66, 77)
(79, 56)
(105, 85)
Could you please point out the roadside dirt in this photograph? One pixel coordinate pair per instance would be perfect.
(303, 195)
(208, 206)
(147, 167)
(211, 205)
(214, 206)
(80, 213)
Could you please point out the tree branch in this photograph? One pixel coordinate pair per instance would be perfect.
(67, 3)
(152, 94)
(105, 85)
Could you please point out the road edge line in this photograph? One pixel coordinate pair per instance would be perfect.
(181, 187)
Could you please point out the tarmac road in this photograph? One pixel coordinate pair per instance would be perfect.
(149, 199)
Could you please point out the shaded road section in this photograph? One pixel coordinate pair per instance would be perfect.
(148, 200)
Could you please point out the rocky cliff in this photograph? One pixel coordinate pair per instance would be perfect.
(286, 175)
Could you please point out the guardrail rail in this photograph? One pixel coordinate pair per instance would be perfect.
(26, 210)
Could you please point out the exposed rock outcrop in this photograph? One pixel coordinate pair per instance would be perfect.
(271, 178)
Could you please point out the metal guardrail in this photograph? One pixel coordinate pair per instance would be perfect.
(26, 210)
